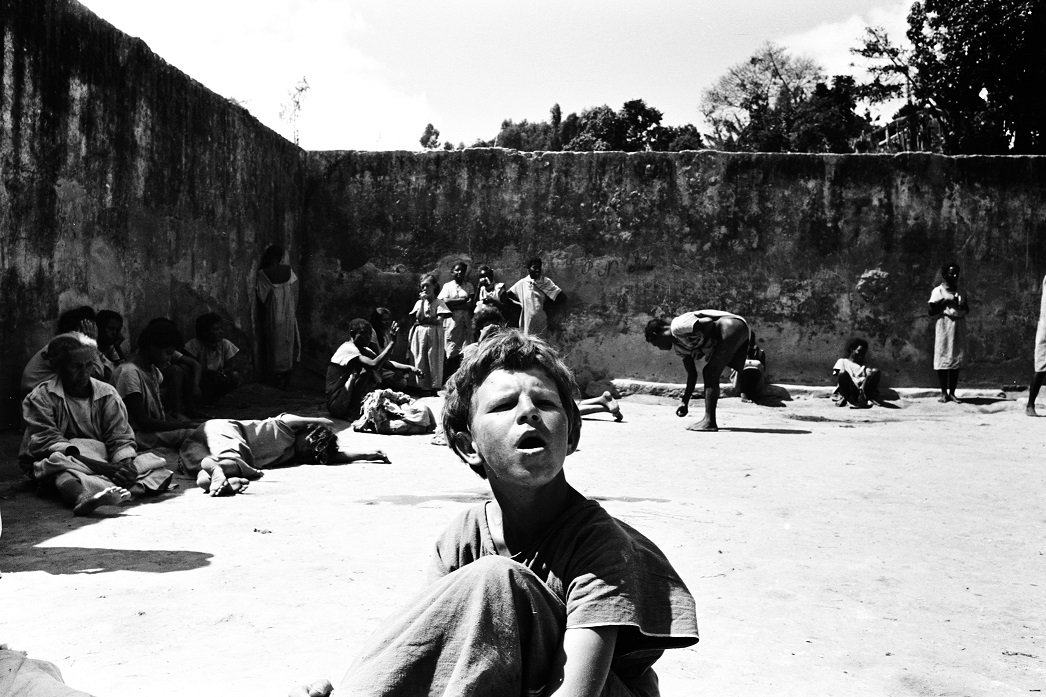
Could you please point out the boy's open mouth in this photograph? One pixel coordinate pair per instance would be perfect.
(530, 441)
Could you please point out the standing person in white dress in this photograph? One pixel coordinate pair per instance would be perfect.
(530, 293)
(949, 348)
(1040, 354)
(426, 336)
(276, 286)
(458, 294)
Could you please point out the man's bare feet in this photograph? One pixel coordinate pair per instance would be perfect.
(380, 456)
(1030, 410)
(320, 688)
(229, 487)
(704, 424)
(111, 496)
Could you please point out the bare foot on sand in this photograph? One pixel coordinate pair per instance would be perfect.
(612, 406)
(112, 496)
(320, 688)
(380, 456)
(1030, 410)
(704, 424)
(229, 487)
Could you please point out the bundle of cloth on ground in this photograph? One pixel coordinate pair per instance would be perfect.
(393, 413)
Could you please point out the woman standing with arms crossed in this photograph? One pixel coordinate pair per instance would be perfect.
(426, 336)
(949, 348)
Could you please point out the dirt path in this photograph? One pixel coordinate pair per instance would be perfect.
(831, 551)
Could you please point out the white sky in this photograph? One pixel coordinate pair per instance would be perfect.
(379, 70)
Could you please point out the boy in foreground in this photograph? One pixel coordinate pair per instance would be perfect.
(538, 591)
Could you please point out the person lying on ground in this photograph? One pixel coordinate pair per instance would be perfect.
(354, 370)
(221, 361)
(721, 338)
(539, 590)
(138, 382)
(77, 438)
(226, 454)
(856, 383)
(488, 320)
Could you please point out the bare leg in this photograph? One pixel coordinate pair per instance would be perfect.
(708, 423)
(953, 382)
(111, 496)
(942, 380)
(1033, 392)
(596, 405)
(214, 481)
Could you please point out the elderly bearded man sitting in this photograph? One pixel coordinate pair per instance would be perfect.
(77, 437)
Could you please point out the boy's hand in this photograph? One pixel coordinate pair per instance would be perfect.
(683, 410)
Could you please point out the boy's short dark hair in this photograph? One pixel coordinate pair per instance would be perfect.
(104, 317)
(486, 271)
(358, 326)
(509, 349)
(205, 322)
(160, 333)
(534, 261)
(70, 320)
(655, 328)
(486, 315)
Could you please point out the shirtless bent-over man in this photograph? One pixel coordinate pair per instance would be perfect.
(721, 338)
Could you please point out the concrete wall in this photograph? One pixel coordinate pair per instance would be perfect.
(124, 184)
(811, 248)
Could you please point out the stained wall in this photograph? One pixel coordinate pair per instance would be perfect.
(812, 249)
(125, 184)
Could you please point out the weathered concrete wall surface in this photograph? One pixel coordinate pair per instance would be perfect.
(812, 249)
(124, 184)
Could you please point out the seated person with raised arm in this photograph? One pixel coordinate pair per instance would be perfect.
(354, 370)
(77, 438)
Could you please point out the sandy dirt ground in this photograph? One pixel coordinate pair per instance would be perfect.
(831, 551)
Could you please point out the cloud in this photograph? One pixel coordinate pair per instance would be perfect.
(829, 44)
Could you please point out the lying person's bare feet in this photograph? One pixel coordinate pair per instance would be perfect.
(320, 688)
(704, 424)
(380, 456)
(229, 487)
(612, 406)
(111, 496)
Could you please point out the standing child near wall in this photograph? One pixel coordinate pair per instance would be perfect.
(458, 295)
(426, 336)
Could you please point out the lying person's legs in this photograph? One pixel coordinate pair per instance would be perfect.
(604, 402)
